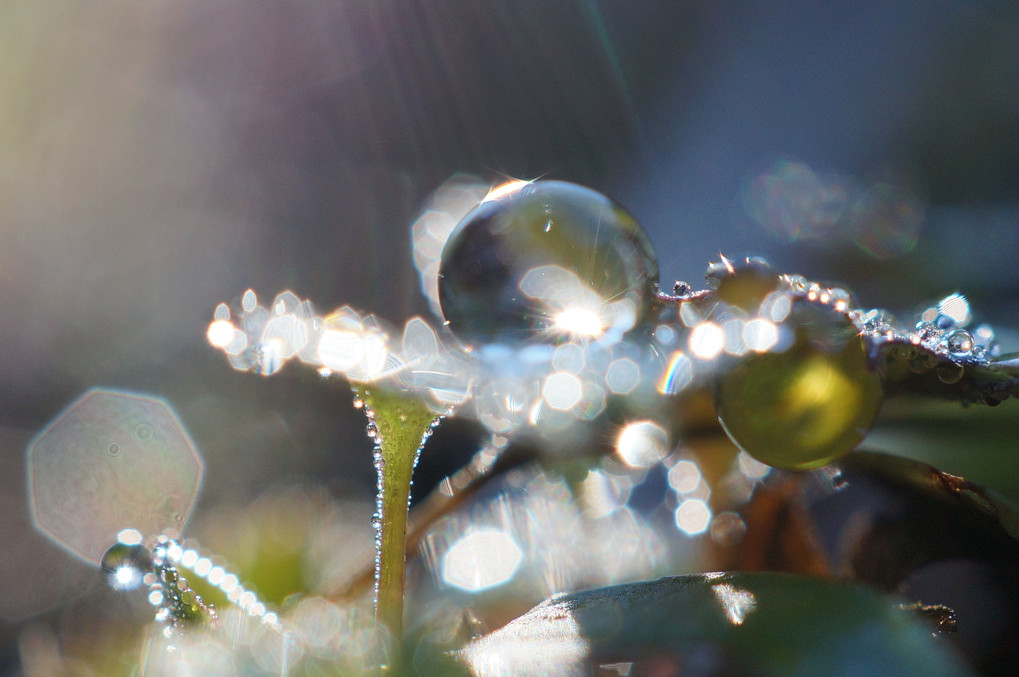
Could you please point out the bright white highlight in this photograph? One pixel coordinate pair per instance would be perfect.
(562, 390)
(956, 307)
(216, 575)
(706, 340)
(737, 604)
(340, 350)
(760, 335)
(573, 306)
(684, 477)
(127, 577)
(642, 444)
(483, 558)
(220, 333)
(693, 516)
(203, 566)
(505, 189)
(246, 599)
(174, 552)
(579, 322)
(229, 584)
(348, 346)
(129, 536)
(188, 558)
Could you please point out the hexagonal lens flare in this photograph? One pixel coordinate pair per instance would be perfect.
(111, 461)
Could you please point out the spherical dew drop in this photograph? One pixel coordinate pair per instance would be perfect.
(541, 261)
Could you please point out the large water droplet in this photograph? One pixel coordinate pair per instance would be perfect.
(959, 343)
(126, 565)
(806, 406)
(536, 260)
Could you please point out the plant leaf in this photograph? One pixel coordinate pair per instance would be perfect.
(756, 623)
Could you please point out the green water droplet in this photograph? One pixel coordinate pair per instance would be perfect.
(950, 372)
(808, 405)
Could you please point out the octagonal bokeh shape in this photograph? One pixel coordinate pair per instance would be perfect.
(112, 460)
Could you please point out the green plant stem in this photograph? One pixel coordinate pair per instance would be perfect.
(402, 421)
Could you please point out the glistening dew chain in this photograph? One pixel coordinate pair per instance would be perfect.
(129, 565)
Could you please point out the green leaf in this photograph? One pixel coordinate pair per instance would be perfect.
(756, 623)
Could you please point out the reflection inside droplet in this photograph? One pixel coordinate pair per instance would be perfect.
(125, 565)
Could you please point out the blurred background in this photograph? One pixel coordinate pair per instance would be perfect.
(158, 158)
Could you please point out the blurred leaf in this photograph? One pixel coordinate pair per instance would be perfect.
(902, 526)
(977, 443)
(746, 623)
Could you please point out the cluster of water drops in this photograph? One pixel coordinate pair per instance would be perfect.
(551, 312)
(360, 347)
(129, 565)
(943, 328)
(113, 459)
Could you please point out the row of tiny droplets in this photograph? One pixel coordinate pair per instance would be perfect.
(942, 328)
(166, 586)
(372, 431)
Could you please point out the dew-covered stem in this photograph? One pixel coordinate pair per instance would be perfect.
(399, 423)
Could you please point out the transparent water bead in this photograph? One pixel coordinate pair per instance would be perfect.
(807, 405)
(126, 565)
(959, 343)
(111, 460)
(545, 259)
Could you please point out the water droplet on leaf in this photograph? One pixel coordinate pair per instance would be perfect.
(959, 343)
(808, 405)
(545, 258)
(743, 284)
(927, 334)
(950, 372)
